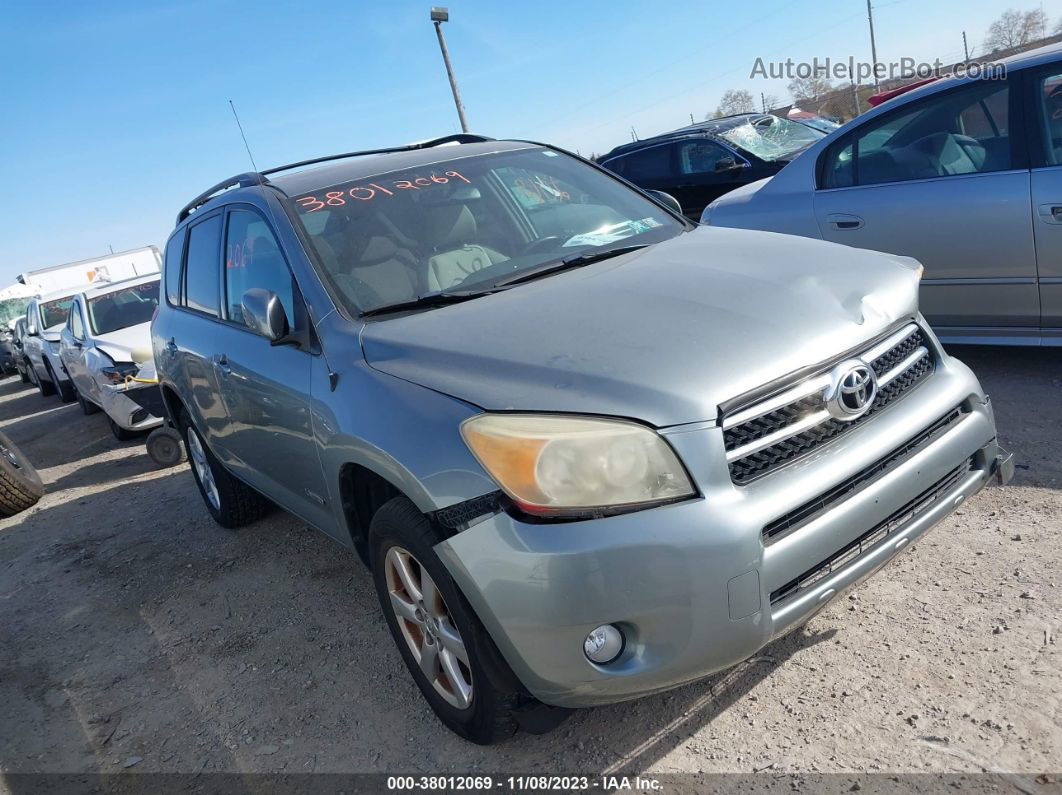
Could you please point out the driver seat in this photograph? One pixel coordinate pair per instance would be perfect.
(450, 228)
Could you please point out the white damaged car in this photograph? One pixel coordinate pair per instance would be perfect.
(106, 349)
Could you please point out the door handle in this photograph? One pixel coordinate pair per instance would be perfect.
(1050, 213)
(221, 362)
(844, 221)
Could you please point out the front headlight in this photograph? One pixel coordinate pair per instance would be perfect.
(117, 374)
(552, 464)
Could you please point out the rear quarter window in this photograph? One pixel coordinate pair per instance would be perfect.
(171, 267)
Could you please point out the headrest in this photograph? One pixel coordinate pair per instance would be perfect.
(262, 246)
(376, 250)
(450, 226)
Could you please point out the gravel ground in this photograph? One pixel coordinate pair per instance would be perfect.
(135, 635)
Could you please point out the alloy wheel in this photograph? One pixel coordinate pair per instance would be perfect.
(202, 469)
(428, 627)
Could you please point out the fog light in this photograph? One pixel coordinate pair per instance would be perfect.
(604, 644)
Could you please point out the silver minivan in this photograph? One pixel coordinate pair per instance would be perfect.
(965, 175)
(588, 450)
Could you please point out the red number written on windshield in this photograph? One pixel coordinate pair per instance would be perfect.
(370, 191)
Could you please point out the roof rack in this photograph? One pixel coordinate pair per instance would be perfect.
(259, 178)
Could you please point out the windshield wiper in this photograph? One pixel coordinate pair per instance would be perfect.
(576, 261)
(427, 301)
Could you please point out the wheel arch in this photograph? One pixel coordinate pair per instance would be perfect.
(362, 492)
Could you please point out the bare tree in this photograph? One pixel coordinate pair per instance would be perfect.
(804, 89)
(1014, 29)
(770, 101)
(734, 101)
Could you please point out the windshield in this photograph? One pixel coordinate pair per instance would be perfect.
(12, 308)
(53, 313)
(772, 138)
(123, 308)
(468, 223)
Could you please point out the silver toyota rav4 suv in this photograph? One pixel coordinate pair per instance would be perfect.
(588, 450)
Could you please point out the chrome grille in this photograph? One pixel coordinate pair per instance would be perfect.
(814, 508)
(782, 428)
(855, 549)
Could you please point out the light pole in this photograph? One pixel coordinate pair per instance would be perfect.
(438, 16)
(873, 44)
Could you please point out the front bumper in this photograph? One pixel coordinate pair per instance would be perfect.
(125, 412)
(693, 585)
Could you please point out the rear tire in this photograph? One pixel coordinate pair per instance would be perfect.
(401, 531)
(20, 485)
(229, 500)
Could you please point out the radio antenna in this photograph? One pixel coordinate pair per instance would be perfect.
(333, 376)
(243, 135)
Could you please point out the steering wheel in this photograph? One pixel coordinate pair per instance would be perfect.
(542, 244)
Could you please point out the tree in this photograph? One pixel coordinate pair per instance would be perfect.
(804, 89)
(734, 101)
(1015, 29)
(769, 102)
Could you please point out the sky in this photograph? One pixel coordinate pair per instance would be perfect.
(116, 113)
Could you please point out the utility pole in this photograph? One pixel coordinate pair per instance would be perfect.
(855, 98)
(691, 119)
(965, 47)
(873, 44)
(438, 16)
(634, 135)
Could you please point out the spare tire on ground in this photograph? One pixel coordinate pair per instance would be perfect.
(20, 485)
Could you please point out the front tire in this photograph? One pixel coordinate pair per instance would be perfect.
(46, 388)
(64, 388)
(120, 433)
(451, 657)
(229, 500)
(87, 407)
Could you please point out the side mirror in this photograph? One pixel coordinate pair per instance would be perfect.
(264, 314)
(729, 164)
(666, 199)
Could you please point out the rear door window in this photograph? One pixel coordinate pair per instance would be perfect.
(201, 268)
(650, 164)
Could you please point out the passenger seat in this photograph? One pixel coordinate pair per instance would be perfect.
(382, 274)
(451, 228)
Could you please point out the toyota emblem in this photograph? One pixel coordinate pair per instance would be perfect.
(852, 390)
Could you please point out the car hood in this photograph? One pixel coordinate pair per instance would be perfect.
(130, 344)
(663, 335)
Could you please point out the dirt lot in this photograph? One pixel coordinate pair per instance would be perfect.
(136, 635)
